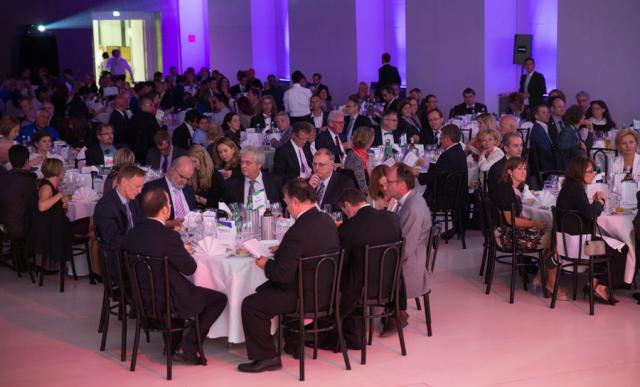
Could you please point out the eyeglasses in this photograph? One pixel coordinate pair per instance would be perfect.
(181, 175)
(589, 171)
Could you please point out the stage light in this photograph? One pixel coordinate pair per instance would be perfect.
(41, 28)
(116, 13)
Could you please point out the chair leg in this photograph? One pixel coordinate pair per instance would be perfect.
(608, 263)
(512, 283)
(103, 310)
(343, 345)
(123, 342)
(403, 348)
(136, 343)
(63, 268)
(146, 333)
(301, 345)
(199, 338)
(92, 281)
(315, 339)
(418, 303)
(105, 327)
(427, 313)
(280, 327)
(73, 268)
(169, 350)
(591, 287)
(554, 296)
(484, 258)
(365, 323)
(491, 265)
(575, 281)
(543, 274)
(371, 324)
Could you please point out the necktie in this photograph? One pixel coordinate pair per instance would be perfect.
(165, 160)
(129, 216)
(179, 207)
(252, 189)
(320, 192)
(340, 152)
(352, 122)
(527, 79)
(303, 169)
(398, 207)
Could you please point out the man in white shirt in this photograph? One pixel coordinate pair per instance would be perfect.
(296, 99)
(118, 66)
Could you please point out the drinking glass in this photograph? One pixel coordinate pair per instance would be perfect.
(337, 217)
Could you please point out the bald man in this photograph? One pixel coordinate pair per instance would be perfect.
(176, 183)
(508, 124)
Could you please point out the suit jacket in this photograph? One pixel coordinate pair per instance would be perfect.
(553, 132)
(120, 124)
(388, 75)
(18, 198)
(377, 136)
(542, 155)
(393, 105)
(182, 137)
(415, 220)
(325, 119)
(233, 191)
(188, 192)
(142, 127)
(461, 110)
(258, 119)
(428, 136)
(495, 173)
(408, 127)
(110, 218)
(152, 238)
(337, 184)
(94, 154)
(313, 233)
(326, 140)
(278, 95)
(355, 233)
(154, 157)
(451, 160)
(537, 88)
(285, 161)
(360, 121)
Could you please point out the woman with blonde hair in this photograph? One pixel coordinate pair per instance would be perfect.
(121, 158)
(206, 182)
(487, 141)
(628, 159)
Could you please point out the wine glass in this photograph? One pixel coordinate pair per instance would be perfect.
(337, 217)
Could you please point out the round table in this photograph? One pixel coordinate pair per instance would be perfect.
(618, 226)
(237, 278)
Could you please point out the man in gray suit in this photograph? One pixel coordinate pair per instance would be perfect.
(415, 220)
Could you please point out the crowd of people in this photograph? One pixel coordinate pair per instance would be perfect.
(190, 126)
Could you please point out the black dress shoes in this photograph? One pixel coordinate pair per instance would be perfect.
(261, 365)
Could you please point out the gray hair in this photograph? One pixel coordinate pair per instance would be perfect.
(506, 139)
(326, 152)
(257, 153)
(335, 113)
(583, 93)
(282, 114)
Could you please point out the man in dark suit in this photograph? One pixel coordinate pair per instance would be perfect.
(162, 155)
(555, 122)
(388, 130)
(240, 189)
(102, 152)
(293, 159)
(512, 146)
(542, 141)
(176, 183)
(330, 138)
(117, 211)
(275, 91)
(142, 127)
(328, 182)
(469, 106)
(451, 160)
(151, 238)
(19, 194)
(390, 100)
(355, 233)
(387, 74)
(431, 133)
(532, 84)
(313, 233)
(352, 119)
(119, 119)
(241, 87)
(183, 134)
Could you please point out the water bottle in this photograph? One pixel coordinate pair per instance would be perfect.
(266, 227)
(388, 150)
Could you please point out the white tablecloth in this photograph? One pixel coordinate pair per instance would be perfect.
(237, 278)
(79, 210)
(619, 227)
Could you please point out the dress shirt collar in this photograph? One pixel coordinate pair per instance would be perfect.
(158, 220)
(122, 199)
(189, 128)
(171, 186)
(403, 199)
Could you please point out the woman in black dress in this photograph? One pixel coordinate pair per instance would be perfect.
(573, 196)
(529, 234)
(51, 232)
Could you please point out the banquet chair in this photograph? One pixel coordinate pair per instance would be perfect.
(466, 135)
(385, 292)
(80, 243)
(317, 301)
(114, 296)
(18, 254)
(524, 133)
(448, 202)
(512, 255)
(148, 277)
(569, 262)
(600, 157)
(487, 233)
(63, 271)
(432, 252)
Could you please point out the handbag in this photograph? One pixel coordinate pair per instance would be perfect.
(594, 248)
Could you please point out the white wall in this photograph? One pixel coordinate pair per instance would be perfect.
(230, 36)
(599, 51)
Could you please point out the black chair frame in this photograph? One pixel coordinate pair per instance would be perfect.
(442, 210)
(432, 252)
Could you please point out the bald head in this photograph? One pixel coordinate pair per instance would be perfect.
(508, 124)
(180, 172)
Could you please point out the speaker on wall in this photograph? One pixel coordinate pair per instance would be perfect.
(521, 48)
(39, 50)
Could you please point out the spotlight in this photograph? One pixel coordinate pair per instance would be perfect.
(41, 28)
(116, 13)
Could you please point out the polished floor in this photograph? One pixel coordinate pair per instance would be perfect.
(50, 339)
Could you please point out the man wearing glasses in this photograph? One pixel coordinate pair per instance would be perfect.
(387, 130)
(330, 138)
(176, 183)
(327, 182)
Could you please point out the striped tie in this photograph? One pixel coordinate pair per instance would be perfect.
(179, 207)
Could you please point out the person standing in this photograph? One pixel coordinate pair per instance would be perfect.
(532, 84)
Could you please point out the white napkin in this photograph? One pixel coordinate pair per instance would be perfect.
(527, 195)
(223, 206)
(84, 195)
(89, 169)
(597, 187)
(628, 194)
(210, 246)
(547, 199)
